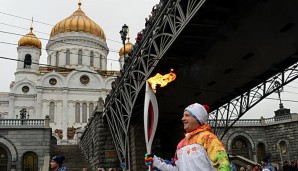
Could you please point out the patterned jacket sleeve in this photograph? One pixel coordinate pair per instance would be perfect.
(216, 152)
(162, 165)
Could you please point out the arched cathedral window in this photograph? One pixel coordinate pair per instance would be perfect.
(67, 57)
(4, 159)
(283, 147)
(50, 60)
(77, 113)
(57, 58)
(30, 161)
(91, 59)
(80, 58)
(242, 147)
(100, 61)
(84, 113)
(27, 61)
(91, 108)
(52, 112)
(261, 151)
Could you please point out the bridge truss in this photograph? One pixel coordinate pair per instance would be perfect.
(223, 118)
(165, 26)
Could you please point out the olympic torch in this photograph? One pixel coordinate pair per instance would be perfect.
(151, 107)
(150, 117)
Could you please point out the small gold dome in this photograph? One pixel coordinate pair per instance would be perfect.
(30, 40)
(78, 22)
(128, 48)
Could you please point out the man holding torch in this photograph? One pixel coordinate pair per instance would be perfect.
(200, 150)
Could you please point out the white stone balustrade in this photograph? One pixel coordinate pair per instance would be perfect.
(22, 122)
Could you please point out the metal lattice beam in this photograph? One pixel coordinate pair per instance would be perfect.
(223, 118)
(164, 29)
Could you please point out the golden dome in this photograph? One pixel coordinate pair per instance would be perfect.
(128, 48)
(30, 40)
(78, 22)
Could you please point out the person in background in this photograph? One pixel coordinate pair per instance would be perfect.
(56, 163)
(286, 166)
(242, 169)
(200, 150)
(248, 168)
(292, 166)
(266, 165)
(232, 166)
(256, 168)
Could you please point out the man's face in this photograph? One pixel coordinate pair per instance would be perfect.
(189, 122)
(54, 165)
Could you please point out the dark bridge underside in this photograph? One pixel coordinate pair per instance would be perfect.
(229, 47)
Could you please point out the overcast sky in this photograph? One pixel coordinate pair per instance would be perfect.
(110, 15)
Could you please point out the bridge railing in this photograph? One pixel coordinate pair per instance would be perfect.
(4, 123)
(255, 122)
(278, 119)
(248, 122)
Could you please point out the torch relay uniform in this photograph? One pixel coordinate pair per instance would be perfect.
(200, 150)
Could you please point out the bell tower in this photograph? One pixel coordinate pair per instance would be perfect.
(29, 52)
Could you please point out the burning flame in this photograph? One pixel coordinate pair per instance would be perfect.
(161, 80)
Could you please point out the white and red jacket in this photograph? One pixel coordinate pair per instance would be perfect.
(200, 150)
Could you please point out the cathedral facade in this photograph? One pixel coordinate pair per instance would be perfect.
(69, 86)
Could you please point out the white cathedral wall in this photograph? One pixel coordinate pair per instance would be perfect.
(73, 97)
(99, 57)
(73, 92)
(27, 102)
(48, 96)
(21, 76)
(4, 105)
(68, 90)
(75, 41)
(95, 81)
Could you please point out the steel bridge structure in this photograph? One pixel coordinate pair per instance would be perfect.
(192, 36)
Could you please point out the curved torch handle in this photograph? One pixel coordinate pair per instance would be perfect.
(150, 116)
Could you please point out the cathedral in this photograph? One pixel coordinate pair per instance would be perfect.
(68, 87)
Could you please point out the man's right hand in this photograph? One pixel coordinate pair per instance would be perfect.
(148, 159)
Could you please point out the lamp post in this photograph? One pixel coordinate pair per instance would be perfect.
(23, 113)
(123, 32)
(277, 84)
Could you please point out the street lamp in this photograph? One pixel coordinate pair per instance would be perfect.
(123, 32)
(23, 113)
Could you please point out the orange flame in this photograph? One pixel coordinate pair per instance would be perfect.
(161, 80)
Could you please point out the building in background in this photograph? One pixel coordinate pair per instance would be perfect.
(68, 87)
(256, 139)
